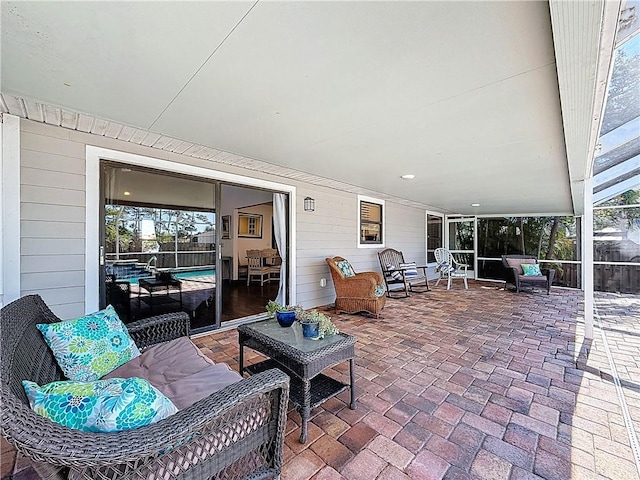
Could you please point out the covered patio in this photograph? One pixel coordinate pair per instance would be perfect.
(483, 383)
(310, 100)
(479, 383)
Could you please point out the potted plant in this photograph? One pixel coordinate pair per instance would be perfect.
(285, 315)
(315, 324)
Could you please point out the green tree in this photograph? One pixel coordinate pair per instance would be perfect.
(623, 96)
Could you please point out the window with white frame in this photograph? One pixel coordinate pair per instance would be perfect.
(370, 222)
(435, 235)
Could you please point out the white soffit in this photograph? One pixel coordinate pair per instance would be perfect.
(336, 93)
(584, 35)
(56, 116)
(123, 61)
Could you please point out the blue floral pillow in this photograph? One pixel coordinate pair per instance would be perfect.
(531, 269)
(89, 347)
(379, 290)
(345, 267)
(110, 405)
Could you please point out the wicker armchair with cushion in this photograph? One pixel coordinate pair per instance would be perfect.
(232, 430)
(518, 277)
(356, 292)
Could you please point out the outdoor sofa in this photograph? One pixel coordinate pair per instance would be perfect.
(235, 432)
(515, 274)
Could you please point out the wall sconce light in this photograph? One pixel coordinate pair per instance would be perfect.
(309, 204)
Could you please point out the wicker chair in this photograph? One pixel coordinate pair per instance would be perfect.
(236, 432)
(358, 293)
(119, 295)
(396, 277)
(515, 275)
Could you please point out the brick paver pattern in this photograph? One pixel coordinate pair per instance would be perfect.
(474, 384)
(481, 383)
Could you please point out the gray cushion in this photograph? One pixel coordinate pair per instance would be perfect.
(180, 371)
(516, 262)
(532, 278)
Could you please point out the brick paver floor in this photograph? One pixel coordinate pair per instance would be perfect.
(481, 384)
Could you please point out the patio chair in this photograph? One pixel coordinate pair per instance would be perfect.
(242, 268)
(255, 268)
(449, 267)
(235, 432)
(516, 276)
(356, 292)
(400, 276)
(273, 261)
(119, 295)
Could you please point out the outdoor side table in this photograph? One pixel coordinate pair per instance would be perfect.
(152, 285)
(302, 359)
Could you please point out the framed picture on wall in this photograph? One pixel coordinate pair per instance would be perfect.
(249, 225)
(226, 227)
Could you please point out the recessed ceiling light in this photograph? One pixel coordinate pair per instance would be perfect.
(408, 176)
(127, 193)
(475, 204)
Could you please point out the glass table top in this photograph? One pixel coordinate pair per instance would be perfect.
(293, 335)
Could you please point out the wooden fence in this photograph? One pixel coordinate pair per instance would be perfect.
(606, 278)
(189, 255)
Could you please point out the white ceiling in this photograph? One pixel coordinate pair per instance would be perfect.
(462, 94)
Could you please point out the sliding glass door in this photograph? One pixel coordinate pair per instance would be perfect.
(172, 242)
(159, 245)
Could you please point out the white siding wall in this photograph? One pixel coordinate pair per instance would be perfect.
(52, 214)
(53, 220)
(332, 229)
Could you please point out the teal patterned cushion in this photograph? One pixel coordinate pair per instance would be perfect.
(531, 269)
(102, 406)
(345, 267)
(89, 347)
(379, 290)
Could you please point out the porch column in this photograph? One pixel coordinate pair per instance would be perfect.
(587, 257)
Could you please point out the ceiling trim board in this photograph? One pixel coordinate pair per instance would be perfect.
(89, 124)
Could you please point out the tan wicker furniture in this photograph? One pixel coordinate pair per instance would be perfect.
(302, 359)
(236, 432)
(396, 277)
(358, 293)
(516, 277)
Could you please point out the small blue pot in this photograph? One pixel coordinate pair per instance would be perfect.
(310, 330)
(286, 319)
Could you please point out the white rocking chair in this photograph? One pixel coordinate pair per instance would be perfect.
(449, 267)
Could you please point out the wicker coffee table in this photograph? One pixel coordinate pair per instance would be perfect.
(303, 360)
